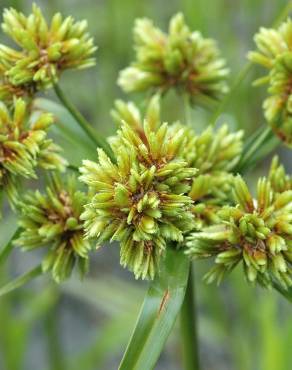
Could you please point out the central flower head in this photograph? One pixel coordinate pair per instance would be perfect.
(141, 201)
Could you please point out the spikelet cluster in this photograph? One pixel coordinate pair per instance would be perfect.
(24, 145)
(52, 219)
(142, 200)
(45, 50)
(181, 59)
(254, 232)
(275, 54)
(214, 153)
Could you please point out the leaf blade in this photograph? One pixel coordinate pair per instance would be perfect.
(158, 313)
(21, 280)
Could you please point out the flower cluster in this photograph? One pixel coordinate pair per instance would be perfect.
(52, 219)
(214, 153)
(45, 50)
(181, 59)
(141, 201)
(257, 233)
(275, 54)
(24, 145)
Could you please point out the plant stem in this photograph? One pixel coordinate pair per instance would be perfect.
(240, 77)
(188, 324)
(21, 280)
(249, 153)
(187, 109)
(4, 253)
(99, 140)
(53, 339)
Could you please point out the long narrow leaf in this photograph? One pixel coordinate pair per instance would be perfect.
(21, 280)
(158, 314)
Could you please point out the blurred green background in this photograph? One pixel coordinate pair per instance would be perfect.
(85, 325)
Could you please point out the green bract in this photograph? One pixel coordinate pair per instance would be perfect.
(52, 219)
(24, 145)
(141, 201)
(181, 59)
(254, 232)
(45, 50)
(275, 54)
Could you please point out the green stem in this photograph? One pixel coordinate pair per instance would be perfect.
(187, 109)
(249, 153)
(5, 252)
(240, 77)
(21, 280)
(99, 140)
(53, 340)
(188, 326)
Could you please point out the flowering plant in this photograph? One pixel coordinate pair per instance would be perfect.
(166, 192)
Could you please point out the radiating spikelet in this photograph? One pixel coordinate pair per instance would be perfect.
(52, 220)
(45, 49)
(256, 233)
(181, 59)
(280, 181)
(24, 144)
(142, 200)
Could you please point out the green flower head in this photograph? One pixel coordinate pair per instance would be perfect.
(257, 233)
(52, 220)
(275, 54)
(141, 201)
(214, 153)
(271, 43)
(45, 50)
(278, 106)
(181, 59)
(24, 144)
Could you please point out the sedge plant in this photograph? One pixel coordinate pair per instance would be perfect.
(165, 192)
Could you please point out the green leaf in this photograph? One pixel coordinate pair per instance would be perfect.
(67, 133)
(21, 280)
(158, 313)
